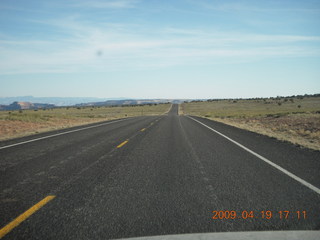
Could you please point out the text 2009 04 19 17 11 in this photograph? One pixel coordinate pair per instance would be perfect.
(265, 214)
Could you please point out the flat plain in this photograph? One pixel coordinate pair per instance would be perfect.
(157, 175)
(21, 123)
(292, 119)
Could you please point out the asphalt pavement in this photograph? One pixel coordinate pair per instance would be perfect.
(155, 175)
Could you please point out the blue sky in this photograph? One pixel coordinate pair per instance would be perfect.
(159, 49)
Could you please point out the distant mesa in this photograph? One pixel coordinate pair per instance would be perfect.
(57, 101)
(130, 102)
(25, 106)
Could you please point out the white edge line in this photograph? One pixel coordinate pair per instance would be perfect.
(58, 134)
(305, 183)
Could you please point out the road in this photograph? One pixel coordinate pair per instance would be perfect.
(155, 175)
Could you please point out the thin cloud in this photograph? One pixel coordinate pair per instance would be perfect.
(237, 6)
(123, 47)
(106, 4)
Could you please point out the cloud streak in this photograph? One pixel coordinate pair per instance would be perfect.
(252, 6)
(113, 4)
(122, 46)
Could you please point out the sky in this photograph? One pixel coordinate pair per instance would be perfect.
(159, 49)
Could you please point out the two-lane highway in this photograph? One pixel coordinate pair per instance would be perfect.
(158, 175)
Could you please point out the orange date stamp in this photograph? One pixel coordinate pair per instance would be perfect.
(245, 214)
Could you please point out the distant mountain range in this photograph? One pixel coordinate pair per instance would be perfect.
(25, 105)
(58, 101)
(130, 102)
(29, 102)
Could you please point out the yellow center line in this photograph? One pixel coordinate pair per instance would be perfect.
(123, 143)
(143, 129)
(5, 230)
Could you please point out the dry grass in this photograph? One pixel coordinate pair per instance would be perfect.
(27, 122)
(278, 118)
(180, 111)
